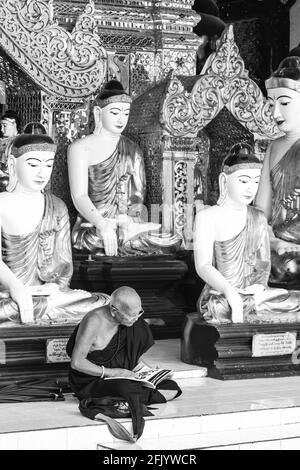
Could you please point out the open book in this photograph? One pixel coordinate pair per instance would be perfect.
(148, 376)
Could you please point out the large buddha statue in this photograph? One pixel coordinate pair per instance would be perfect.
(36, 263)
(232, 251)
(279, 190)
(108, 184)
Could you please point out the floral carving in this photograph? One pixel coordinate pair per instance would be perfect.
(72, 65)
(223, 82)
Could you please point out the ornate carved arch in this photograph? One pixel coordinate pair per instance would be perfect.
(223, 82)
(70, 65)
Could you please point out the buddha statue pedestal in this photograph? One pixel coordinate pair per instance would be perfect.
(34, 352)
(242, 350)
(155, 278)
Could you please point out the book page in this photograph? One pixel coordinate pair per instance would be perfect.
(154, 375)
(149, 376)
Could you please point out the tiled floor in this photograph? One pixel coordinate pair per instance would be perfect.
(215, 413)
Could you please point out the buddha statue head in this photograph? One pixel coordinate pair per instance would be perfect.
(30, 162)
(10, 123)
(111, 108)
(239, 177)
(283, 89)
(34, 127)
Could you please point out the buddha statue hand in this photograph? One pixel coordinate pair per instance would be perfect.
(123, 220)
(23, 298)
(236, 303)
(106, 230)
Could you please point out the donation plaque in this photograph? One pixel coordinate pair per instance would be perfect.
(278, 344)
(56, 350)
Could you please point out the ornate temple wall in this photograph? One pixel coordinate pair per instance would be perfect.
(144, 39)
(21, 93)
(262, 32)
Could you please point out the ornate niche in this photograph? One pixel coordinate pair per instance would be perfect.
(186, 126)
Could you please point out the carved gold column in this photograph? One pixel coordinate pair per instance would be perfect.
(178, 167)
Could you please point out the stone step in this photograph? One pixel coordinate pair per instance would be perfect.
(261, 438)
(169, 434)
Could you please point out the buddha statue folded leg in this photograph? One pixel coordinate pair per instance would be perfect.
(215, 308)
(84, 237)
(286, 266)
(273, 305)
(144, 238)
(64, 306)
(134, 238)
(281, 308)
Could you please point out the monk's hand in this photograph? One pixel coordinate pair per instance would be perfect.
(21, 295)
(281, 247)
(106, 230)
(236, 303)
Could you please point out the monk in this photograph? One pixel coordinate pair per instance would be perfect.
(232, 254)
(279, 189)
(108, 185)
(108, 343)
(36, 261)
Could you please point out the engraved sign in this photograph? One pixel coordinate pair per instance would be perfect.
(56, 350)
(273, 344)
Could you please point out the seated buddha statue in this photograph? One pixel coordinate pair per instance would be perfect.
(10, 125)
(279, 189)
(36, 260)
(232, 251)
(108, 185)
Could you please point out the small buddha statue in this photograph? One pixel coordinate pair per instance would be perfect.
(36, 263)
(279, 190)
(108, 185)
(232, 251)
(10, 125)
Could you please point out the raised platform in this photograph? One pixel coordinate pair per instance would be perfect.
(155, 278)
(23, 349)
(23, 353)
(228, 352)
(210, 414)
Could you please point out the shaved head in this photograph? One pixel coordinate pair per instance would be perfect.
(126, 298)
(126, 305)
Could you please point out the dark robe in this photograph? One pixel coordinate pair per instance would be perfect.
(123, 351)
